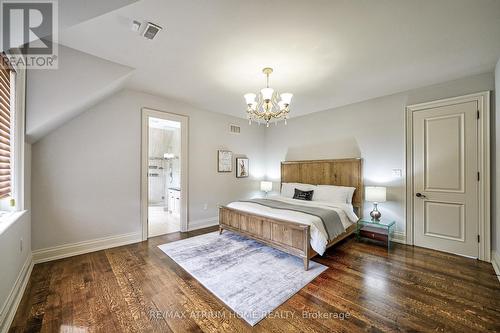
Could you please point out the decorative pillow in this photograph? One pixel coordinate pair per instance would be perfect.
(332, 193)
(288, 189)
(303, 195)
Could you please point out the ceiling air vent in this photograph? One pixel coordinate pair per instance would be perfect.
(151, 30)
(235, 129)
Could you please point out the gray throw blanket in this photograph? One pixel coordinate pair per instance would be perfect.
(330, 218)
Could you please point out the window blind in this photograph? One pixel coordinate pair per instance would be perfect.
(5, 130)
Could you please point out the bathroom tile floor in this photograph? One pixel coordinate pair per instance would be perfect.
(161, 222)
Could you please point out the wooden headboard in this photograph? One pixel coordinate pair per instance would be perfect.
(341, 172)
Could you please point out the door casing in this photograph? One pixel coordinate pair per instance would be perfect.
(484, 218)
(184, 120)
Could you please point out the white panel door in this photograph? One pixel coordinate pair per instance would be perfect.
(445, 178)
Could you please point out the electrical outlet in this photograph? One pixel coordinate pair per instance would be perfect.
(397, 172)
(205, 206)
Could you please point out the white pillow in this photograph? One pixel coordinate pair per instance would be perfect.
(288, 189)
(332, 193)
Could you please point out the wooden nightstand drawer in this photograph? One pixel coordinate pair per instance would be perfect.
(374, 233)
(376, 230)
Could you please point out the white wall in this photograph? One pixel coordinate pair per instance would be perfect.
(373, 130)
(86, 173)
(495, 244)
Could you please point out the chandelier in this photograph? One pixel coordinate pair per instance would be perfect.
(267, 105)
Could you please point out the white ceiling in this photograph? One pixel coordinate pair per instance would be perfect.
(328, 53)
(70, 12)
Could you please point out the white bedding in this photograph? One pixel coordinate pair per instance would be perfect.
(319, 237)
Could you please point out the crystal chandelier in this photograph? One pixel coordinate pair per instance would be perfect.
(265, 105)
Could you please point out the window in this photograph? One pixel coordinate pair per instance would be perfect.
(6, 133)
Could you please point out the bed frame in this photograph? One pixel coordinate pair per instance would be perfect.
(292, 237)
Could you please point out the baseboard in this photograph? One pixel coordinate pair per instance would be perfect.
(69, 250)
(495, 261)
(16, 294)
(204, 223)
(399, 237)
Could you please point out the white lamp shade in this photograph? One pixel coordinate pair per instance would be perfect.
(286, 98)
(266, 186)
(282, 105)
(249, 98)
(267, 93)
(375, 193)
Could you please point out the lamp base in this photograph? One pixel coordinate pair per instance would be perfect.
(375, 214)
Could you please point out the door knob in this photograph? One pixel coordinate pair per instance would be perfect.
(420, 195)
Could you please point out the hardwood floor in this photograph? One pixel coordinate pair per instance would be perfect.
(137, 288)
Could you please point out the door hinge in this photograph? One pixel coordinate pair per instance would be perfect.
(478, 176)
(478, 114)
(478, 239)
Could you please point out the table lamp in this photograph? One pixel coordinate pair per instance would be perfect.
(266, 186)
(375, 194)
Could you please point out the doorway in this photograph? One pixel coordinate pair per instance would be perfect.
(448, 175)
(163, 173)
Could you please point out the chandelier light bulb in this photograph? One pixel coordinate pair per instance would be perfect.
(250, 98)
(282, 105)
(286, 98)
(267, 93)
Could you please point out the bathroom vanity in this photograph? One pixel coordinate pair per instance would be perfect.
(174, 200)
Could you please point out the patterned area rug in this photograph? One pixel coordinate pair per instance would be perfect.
(249, 277)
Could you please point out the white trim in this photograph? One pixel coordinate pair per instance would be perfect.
(184, 120)
(18, 124)
(69, 250)
(483, 102)
(495, 261)
(204, 223)
(16, 294)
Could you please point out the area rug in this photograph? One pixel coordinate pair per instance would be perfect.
(251, 278)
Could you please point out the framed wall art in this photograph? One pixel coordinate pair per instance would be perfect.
(242, 167)
(224, 161)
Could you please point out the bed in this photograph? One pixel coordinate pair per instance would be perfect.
(295, 232)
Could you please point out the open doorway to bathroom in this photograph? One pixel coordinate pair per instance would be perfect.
(164, 161)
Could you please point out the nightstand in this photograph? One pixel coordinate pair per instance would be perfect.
(381, 230)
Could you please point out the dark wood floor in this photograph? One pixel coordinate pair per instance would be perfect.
(137, 288)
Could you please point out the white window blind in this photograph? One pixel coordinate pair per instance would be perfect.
(5, 129)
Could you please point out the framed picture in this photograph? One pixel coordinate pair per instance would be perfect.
(224, 161)
(242, 170)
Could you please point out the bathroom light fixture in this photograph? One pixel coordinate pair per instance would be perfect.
(168, 156)
(265, 105)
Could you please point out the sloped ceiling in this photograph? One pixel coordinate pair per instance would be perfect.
(327, 52)
(56, 96)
